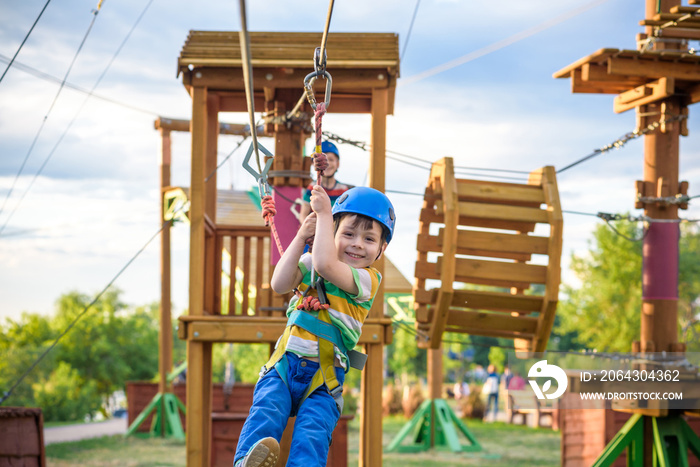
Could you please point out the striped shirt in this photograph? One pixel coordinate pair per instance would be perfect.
(347, 312)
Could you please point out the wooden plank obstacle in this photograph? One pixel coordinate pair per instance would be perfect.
(498, 275)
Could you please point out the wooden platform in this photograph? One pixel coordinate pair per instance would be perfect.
(498, 277)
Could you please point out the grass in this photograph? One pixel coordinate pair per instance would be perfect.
(117, 451)
(504, 445)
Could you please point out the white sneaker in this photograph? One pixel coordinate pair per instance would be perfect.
(264, 453)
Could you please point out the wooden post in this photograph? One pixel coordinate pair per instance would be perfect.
(165, 338)
(660, 251)
(434, 384)
(372, 377)
(198, 353)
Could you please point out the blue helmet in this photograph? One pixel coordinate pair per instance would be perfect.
(327, 146)
(368, 202)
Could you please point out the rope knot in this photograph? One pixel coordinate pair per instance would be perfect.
(320, 162)
(310, 303)
(268, 209)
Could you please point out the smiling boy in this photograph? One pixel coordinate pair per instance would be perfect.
(305, 374)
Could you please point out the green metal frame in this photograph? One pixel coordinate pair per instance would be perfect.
(434, 415)
(672, 435)
(166, 407)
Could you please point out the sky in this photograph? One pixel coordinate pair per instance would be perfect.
(96, 201)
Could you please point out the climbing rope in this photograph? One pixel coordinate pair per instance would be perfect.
(269, 210)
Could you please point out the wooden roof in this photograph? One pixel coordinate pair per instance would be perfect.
(611, 71)
(237, 208)
(357, 62)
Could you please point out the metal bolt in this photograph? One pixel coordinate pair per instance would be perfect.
(375, 337)
(269, 76)
(198, 75)
(259, 335)
(196, 334)
(380, 76)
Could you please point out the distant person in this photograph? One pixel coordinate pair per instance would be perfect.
(517, 383)
(490, 389)
(333, 187)
(507, 376)
(461, 390)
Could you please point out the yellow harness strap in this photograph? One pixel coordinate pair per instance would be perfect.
(326, 356)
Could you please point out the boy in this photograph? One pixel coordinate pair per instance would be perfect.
(305, 374)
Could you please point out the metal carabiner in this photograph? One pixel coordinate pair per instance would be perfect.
(308, 88)
(261, 178)
(319, 66)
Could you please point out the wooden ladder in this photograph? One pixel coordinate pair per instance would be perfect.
(488, 258)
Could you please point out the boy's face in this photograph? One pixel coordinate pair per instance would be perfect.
(357, 245)
(333, 163)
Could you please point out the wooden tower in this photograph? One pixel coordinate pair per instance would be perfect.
(660, 80)
(364, 69)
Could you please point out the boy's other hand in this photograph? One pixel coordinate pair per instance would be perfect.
(320, 202)
(308, 227)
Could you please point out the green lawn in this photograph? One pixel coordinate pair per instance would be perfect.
(504, 445)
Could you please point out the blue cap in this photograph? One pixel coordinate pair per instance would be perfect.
(368, 202)
(327, 146)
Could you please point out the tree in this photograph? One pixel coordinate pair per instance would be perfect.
(605, 310)
(109, 344)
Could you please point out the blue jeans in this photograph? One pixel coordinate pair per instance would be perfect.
(493, 398)
(274, 403)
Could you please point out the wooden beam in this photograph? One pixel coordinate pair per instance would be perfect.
(553, 278)
(497, 301)
(475, 322)
(198, 354)
(502, 212)
(174, 124)
(443, 170)
(645, 94)
(596, 57)
(267, 329)
(165, 336)
(371, 384)
(579, 85)
(654, 68)
(475, 190)
(467, 269)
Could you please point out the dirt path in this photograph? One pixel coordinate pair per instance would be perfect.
(61, 434)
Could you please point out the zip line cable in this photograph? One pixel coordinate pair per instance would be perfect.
(244, 39)
(23, 41)
(410, 28)
(324, 38)
(366, 147)
(622, 140)
(8, 393)
(500, 44)
(43, 122)
(80, 109)
(47, 77)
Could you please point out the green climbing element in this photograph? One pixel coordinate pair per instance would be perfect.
(434, 414)
(672, 440)
(166, 407)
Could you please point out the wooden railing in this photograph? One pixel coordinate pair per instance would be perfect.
(238, 272)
